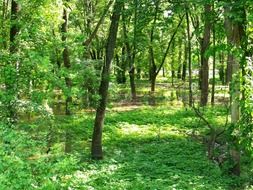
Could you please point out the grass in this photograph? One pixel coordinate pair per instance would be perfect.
(145, 148)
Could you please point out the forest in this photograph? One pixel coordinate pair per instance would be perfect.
(126, 94)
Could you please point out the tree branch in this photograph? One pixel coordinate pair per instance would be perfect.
(169, 44)
(101, 20)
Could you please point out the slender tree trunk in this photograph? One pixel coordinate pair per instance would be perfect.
(11, 78)
(189, 59)
(235, 98)
(67, 65)
(205, 42)
(130, 57)
(173, 64)
(152, 67)
(121, 64)
(4, 35)
(184, 69)
(214, 66)
(96, 148)
(179, 69)
(228, 29)
(221, 70)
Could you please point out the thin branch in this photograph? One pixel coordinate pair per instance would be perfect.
(101, 20)
(169, 44)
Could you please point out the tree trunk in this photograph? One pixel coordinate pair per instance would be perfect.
(68, 81)
(173, 64)
(96, 147)
(184, 69)
(221, 70)
(205, 42)
(179, 69)
(130, 57)
(11, 79)
(189, 59)
(237, 39)
(121, 67)
(228, 29)
(214, 66)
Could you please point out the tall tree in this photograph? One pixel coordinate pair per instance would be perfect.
(237, 24)
(189, 56)
(205, 42)
(11, 78)
(131, 54)
(96, 148)
(68, 81)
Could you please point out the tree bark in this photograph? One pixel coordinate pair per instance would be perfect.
(228, 29)
(68, 81)
(214, 65)
(184, 69)
(96, 147)
(172, 63)
(237, 40)
(11, 78)
(189, 58)
(179, 69)
(205, 42)
(130, 55)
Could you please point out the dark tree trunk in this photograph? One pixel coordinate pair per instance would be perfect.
(214, 65)
(15, 8)
(67, 65)
(228, 29)
(221, 70)
(152, 64)
(189, 59)
(96, 148)
(130, 58)
(173, 64)
(179, 69)
(138, 74)
(121, 67)
(184, 69)
(205, 42)
(11, 79)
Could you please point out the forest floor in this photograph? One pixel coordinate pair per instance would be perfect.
(146, 148)
(152, 148)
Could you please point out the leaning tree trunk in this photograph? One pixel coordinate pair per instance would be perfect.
(96, 148)
(205, 42)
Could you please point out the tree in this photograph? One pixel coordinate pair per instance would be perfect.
(204, 43)
(96, 148)
(12, 65)
(68, 81)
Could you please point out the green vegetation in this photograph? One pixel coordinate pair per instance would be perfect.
(146, 148)
(126, 94)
